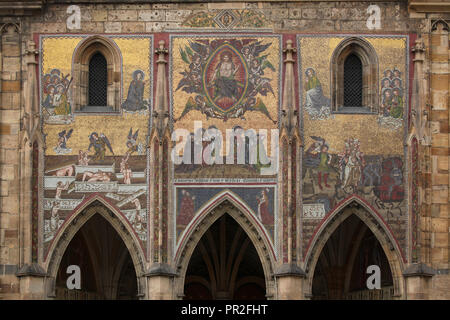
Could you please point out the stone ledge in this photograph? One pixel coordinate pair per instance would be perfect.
(419, 269)
(31, 270)
(287, 270)
(160, 269)
(432, 6)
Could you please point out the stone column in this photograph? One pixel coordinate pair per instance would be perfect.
(289, 275)
(31, 274)
(161, 274)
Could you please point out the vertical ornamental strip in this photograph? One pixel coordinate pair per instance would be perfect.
(289, 274)
(161, 273)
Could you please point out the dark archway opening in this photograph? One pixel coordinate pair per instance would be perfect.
(225, 265)
(341, 271)
(106, 267)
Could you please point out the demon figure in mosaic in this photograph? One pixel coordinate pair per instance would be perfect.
(226, 77)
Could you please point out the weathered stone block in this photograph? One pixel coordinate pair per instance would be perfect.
(157, 6)
(439, 194)
(160, 26)
(7, 172)
(124, 6)
(440, 240)
(9, 141)
(113, 27)
(9, 116)
(94, 27)
(53, 27)
(177, 15)
(4, 188)
(309, 14)
(11, 64)
(11, 234)
(293, 13)
(353, 25)
(133, 27)
(439, 179)
(10, 50)
(5, 128)
(440, 140)
(122, 15)
(11, 86)
(152, 15)
(226, 5)
(11, 156)
(99, 15)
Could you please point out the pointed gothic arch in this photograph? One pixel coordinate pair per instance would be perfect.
(372, 221)
(73, 224)
(443, 23)
(226, 203)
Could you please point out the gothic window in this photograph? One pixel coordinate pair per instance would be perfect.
(97, 74)
(354, 77)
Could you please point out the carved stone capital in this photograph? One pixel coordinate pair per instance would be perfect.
(289, 50)
(161, 51)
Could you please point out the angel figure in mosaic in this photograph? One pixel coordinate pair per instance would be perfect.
(63, 137)
(100, 143)
(132, 145)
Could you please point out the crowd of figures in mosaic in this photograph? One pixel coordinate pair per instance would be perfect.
(56, 97)
(392, 102)
(226, 77)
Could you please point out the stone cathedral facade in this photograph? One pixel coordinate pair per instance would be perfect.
(224, 150)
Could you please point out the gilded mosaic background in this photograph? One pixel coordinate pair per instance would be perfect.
(353, 154)
(95, 154)
(227, 83)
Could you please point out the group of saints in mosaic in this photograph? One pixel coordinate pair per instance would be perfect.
(227, 83)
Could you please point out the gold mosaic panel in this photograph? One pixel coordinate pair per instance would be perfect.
(336, 129)
(253, 119)
(116, 128)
